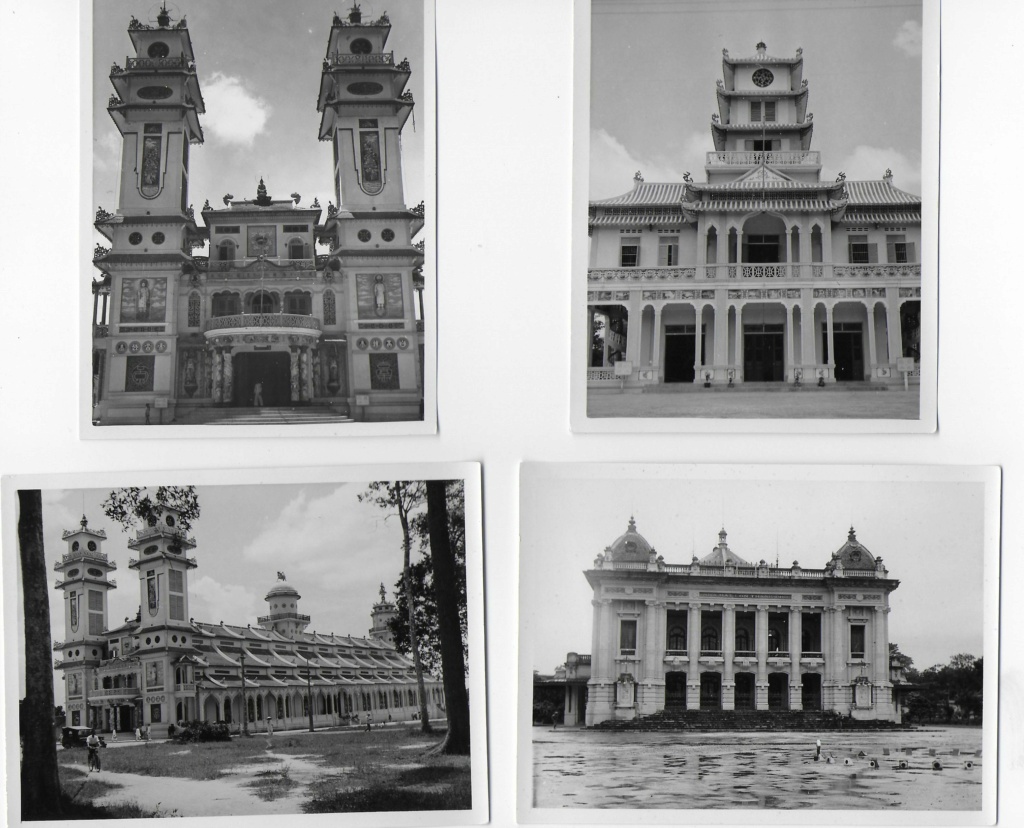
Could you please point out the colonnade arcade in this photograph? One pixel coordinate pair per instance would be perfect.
(751, 335)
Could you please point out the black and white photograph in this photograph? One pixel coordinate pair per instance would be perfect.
(760, 214)
(288, 646)
(262, 175)
(699, 639)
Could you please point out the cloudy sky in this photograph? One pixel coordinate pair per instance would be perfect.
(335, 550)
(928, 531)
(259, 65)
(654, 64)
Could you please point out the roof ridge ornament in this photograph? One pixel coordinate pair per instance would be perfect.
(638, 177)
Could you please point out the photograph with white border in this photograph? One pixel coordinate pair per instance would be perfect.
(729, 257)
(305, 304)
(758, 644)
(263, 658)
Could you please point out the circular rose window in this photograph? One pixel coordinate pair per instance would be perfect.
(158, 238)
(364, 235)
(388, 234)
(763, 78)
(158, 50)
(135, 238)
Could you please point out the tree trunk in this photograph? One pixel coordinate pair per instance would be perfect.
(449, 630)
(40, 785)
(403, 516)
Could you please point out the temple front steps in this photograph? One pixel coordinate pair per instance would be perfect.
(693, 387)
(302, 415)
(809, 720)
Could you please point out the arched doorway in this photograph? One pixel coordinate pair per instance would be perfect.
(211, 712)
(675, 690)
(744, 695)
(810, 695)
(710, 691)
(272, 369)
(778, 691)
(764, 345)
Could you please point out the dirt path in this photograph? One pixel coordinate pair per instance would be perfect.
(229, 795)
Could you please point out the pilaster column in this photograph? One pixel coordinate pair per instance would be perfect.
(693, 653)
(294, 373)
(790, 358)
(656, 344)
(795, 676)
(728, 654)
(739, 341)
(218, 376)
(761, 641)
(881, 659)
(831, 343)
(807, 349)
(634, 326)
(872, 344)
(893, 328)
(698, 349)
(228, 375)
(305, 375)
(840, 634)
(649, 667)
(722, 329)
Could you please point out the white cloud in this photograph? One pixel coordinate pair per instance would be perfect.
(908, 38)
(234, 115)
(867, 163)
(212, 602)
(107, 151)
(612, 164)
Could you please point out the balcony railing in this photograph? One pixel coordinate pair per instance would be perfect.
(82, 555)
(283, 616)
(385, 59)
(710, 653)
(157, 63)
(812, 654)
(280, 263)
(773, 157)
(656, 277)
(263, 320)
(115, 691)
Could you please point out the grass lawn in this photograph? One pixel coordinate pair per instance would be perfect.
(352, 770)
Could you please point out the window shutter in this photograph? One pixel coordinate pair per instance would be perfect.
(769, 110)
(755, 110)
(890, 250)
(911, 252)
(749, 144)
(872, 253)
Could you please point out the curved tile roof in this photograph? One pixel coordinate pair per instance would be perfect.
(647, 194)
(879, 191)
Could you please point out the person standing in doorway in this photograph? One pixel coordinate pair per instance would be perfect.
(257, 393)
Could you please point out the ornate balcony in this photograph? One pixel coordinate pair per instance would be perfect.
(775, 158)
(283, 616)
(158, 63)
(252, 264)
(385, 59)
(657, 277)
(82, 555)
(237, 321)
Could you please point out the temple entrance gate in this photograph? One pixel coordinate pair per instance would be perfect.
(272, 369)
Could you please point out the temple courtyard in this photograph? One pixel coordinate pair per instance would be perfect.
(293, 772)
(776, 400)
(578, 768)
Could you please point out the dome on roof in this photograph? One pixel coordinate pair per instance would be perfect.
(282, 588)
(853, 554)
(630, 546)
(722, 555)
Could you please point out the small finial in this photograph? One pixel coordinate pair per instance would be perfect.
(687, 177)
(888, 175)
(383, 593)
(296, 198)
(762, 47)
(84, 522)
(852, 535)
(632, 524)
(163, 18)
(280, 575)
(638, 178)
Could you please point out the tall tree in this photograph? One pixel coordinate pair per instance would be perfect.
(425, 604)
(403, 497)
(126, 506)
(446, 596)
(40, 785)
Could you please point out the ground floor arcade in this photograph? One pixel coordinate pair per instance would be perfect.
(723, 337)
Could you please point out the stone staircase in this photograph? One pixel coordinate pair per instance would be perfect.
(705, 720)
(761, 387)
(299, 415)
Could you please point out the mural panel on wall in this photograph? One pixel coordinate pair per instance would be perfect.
(379, 296)
(144, 299)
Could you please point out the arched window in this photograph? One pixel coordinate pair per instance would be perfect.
(298, 302)
(227, 710)
(226, 304)
(816, 244)
(774, 640)
(280, 707)
(330, 308)
(712, 246)
(261, 302)
(226, 251)
(194, 310)
(743, 640)
(677, 638)
(259, 707)
(296, 249)
(709, 639)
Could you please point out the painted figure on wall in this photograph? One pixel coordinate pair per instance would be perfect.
(380, 300)
(144, 300)
(379, 296)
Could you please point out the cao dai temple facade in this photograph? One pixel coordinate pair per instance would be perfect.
(263, 320)
(762, 272)
(164, 666)
(721, 633)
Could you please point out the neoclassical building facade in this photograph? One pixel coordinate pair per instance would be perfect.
(164, 666)
(721, 633)
(763, 272)
(263, 320)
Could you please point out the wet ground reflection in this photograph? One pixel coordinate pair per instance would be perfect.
(591, 769)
